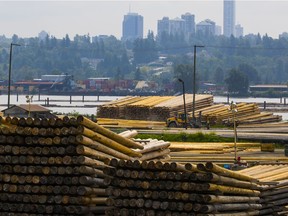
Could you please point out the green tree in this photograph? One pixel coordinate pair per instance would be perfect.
(137, 75)
(185, 72)
(144, 50)
(237, 83)
(250, 72)
(219, 75)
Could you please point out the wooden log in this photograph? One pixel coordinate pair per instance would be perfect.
(228, 207)
(225, 172)
(154, 154)
(82, 160)
(153, 146)
(207, 198)
(212, 177)
(98, 146)
(129, 134)
(97, 128)
(230, 190)
(107, 142)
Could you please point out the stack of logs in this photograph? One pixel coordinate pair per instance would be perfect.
(274, 197)
(162, 188)
(55, 166)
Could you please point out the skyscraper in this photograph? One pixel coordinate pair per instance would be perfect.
(184, 25)
(132, 26)
(229, 18)
(189, 24)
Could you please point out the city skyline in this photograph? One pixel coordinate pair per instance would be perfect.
(28, 18)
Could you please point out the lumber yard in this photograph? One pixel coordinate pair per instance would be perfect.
(75, 166)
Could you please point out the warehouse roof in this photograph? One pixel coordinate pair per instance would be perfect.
(33, 108)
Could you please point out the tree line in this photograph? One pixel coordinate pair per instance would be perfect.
(252, 59)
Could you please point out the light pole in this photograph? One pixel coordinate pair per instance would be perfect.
(10, 66)
(185, 113)
(194, 83)
(233, 109)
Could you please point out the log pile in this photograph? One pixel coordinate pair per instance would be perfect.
(55, 166)
(274, 197)
(155, 108)
(161, 188)
(247, 113)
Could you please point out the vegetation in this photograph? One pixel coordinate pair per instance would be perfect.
(253, 59)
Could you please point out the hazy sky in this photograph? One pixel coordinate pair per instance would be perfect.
(28, 18)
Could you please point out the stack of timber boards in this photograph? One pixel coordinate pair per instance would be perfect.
(155, 108)
(158, 188)
(247, 113)
(55, 166)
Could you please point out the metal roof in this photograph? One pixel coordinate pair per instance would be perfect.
(33, 108)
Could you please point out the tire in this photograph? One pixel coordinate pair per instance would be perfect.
(172, 124)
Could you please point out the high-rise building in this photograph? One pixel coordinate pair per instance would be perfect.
(189, 27)
(184, 25)
(229, 18)
(206, 28)
(163, 26)
(238, 31)
(132, 26)
(176, 26)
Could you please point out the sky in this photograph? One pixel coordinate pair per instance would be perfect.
(58, 18)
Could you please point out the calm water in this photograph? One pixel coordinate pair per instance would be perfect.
(58, 101)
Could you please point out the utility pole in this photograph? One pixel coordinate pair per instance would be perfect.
(10, 67)
(185, 112)
(194, 82)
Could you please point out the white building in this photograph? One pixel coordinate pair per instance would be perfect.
(229, 18)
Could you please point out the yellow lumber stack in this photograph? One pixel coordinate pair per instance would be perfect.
(129, 124)
(247, 113)
(157, 108)
(183, 148)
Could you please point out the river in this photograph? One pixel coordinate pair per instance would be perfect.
(60, 103)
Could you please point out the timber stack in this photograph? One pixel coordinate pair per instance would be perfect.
(155, 108)
(162, 188)
(274, 196)
(55, 166)
(247, 113)
(159, 108)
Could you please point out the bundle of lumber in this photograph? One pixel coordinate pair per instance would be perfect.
(274, 197)
(155, 108)
(182, 149)
(130, 124)
(161, 188)
(176, 103)
(55, 166)
(247, 113)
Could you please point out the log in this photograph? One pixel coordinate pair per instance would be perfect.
(208, 198)
(108, 142)
(105, 132)
(98, 146)
(230, 190)
(222, 171)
